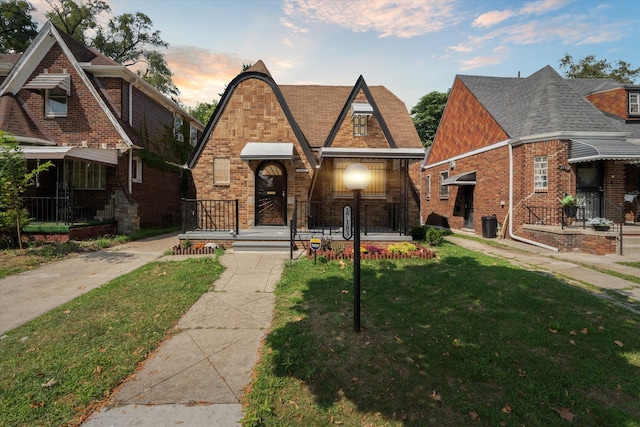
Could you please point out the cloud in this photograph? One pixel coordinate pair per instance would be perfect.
(495, 17)
(403, 19)
(201, 74)
(499, 55)
(492, 18)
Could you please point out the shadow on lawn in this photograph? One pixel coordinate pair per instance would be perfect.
(446, 341)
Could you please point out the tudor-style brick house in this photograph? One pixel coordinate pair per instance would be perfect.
(116, 142)
(276, 149)
(511, 147)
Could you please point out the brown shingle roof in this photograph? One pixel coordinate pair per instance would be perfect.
(316, 109)
(14, 119)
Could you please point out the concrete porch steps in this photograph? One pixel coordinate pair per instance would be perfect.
(262, 245)
(630, 244)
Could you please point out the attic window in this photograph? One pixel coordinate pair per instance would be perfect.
(177, 128)
(360, 113)
(55, 103)
(634, 103)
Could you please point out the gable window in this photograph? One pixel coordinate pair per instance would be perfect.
(55, 103)
(377, 187)
(221, 170)
(136, 169)
(428, 187)
(359, 125)
(540, 173)
(88, 176)
(634, 103)
(444, 189)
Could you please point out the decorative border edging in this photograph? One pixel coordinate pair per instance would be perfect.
(331, 256)
(178, 250)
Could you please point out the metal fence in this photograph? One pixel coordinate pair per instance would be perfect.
(327, 218)
(63, 210)
(210, 215)
(573, 217)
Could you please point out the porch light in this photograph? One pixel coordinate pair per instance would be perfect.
(356, 177)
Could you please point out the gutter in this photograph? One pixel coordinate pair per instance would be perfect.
(511, 234)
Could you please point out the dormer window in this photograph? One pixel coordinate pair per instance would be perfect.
(56, 88)
(360, 113)
(55, 104)
(634, 103)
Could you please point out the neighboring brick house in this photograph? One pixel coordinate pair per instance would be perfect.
(511, 147)
(116, 142)
(274, 147)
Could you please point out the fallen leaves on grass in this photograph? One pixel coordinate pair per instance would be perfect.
(619, 343)
(436, 396)
(565, 414)
(50, 383)
(507, 409)
(474, 416)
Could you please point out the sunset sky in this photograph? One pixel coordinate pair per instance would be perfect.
(411, 47)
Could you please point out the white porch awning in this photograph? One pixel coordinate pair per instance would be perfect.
(468, 178)
(267, 151)
(373, 153)
(587, 150)
(95, 155)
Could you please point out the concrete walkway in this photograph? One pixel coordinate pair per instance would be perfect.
(197, 377)
(27, 295)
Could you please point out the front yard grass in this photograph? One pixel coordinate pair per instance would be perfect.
(463, 339)
(35, 254)
(56, 367)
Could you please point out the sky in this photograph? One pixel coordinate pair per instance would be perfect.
(412, 47)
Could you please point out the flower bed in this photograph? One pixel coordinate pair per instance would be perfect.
(196, 249)
(404, 250)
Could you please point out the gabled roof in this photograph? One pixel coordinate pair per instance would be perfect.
(316, 112)
(539, 104)
(87, 63)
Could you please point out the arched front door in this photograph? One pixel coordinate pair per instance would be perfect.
(271, 194)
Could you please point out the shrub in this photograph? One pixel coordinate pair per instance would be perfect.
(402, 248)
(434, 237)
(418, 233)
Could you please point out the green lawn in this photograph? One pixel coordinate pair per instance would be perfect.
(463, 339)
(56, 367)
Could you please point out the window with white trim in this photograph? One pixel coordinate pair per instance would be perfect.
(221, 170)
(634, 103)
(193, 135)
(444, 189)
(136, 169)
(377, 187)
(540, 173)
(88, 176)
(55, 104)
(428, 187)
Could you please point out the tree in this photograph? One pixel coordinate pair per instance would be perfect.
(17, 28)
(158, 75)
(427, 113)
(591, 68)
(14, 180)
(74, 18)
(128, 38)
(203, 110)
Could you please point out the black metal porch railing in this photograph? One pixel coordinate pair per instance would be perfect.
(63, 210)
(573, 218)
(210, 215)
(376, 217)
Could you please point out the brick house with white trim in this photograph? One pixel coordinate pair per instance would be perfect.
(511, 147)
(117, 142)
(276, 147)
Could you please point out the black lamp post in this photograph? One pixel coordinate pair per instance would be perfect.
(356, 177)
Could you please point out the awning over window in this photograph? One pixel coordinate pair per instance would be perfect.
(267, 151)
(50, 81)
(95, 155)
(360, 108)
(588, 150)
(373, 153)
(468, 178)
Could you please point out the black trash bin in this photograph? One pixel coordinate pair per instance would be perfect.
(489, 226)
